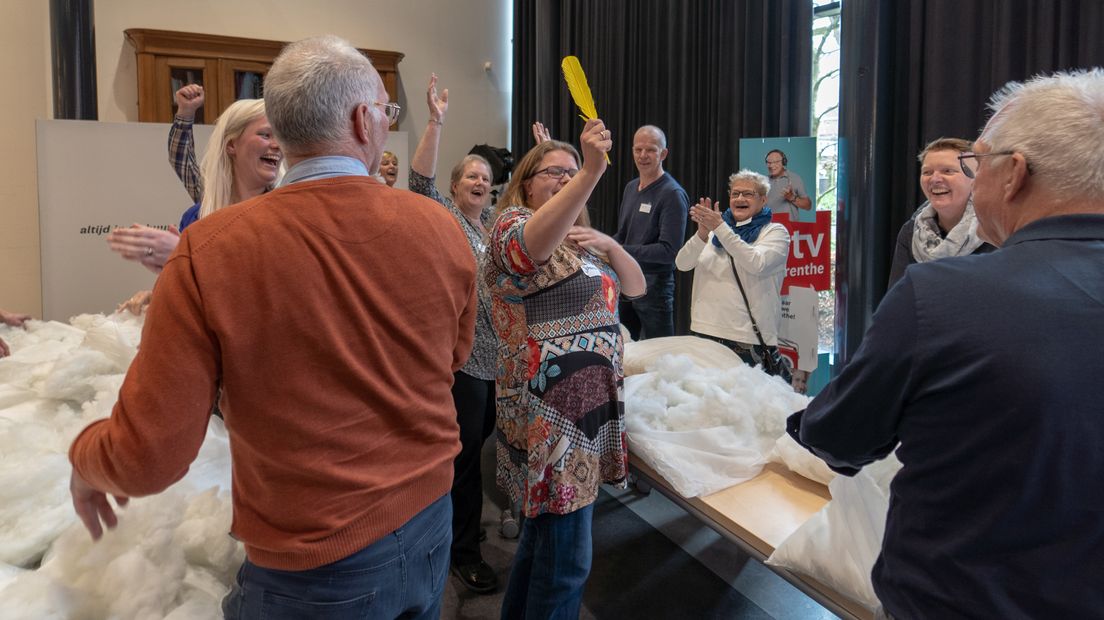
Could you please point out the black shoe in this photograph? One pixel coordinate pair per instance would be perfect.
(478, 578)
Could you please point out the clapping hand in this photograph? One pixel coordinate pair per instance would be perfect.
(707, 216)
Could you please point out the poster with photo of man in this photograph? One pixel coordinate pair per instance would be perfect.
(790, 165)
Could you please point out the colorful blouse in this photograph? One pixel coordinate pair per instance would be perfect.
(560, 421)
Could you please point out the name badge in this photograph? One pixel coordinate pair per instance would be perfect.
(645, 207)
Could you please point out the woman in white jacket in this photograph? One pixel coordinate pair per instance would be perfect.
(742, 238)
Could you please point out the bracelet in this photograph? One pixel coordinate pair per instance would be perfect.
(437, 122)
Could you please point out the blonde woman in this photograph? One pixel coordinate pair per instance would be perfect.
(242, 160)
(389, 168)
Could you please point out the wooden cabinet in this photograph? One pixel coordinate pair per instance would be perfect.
(228, 68)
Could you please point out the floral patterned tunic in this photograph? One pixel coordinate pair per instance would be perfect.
(560, 426)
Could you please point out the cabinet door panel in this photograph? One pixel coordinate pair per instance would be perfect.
(172, 73)
(240, 79)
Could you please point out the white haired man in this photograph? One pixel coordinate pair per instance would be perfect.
(332, 312)
(974, 370)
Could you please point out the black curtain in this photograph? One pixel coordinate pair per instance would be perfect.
(708, 72)
(917, 70)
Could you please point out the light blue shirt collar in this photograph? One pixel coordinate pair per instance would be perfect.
(324, 167)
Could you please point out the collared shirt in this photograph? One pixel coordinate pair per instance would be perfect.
(324, 167)
(182, 158)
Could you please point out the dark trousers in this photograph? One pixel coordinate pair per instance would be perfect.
(475, 413)
(653, 315)
(745, 351)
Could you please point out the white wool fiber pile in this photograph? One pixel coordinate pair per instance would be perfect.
(704, 429)
(170, 557)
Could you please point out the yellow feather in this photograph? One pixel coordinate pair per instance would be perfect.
(577, 84)
(580, 90)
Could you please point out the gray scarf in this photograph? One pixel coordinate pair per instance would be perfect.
(927, 242)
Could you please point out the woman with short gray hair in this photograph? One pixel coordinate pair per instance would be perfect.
(739, 260)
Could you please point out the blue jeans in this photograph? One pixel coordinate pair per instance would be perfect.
(653, 315)
(551, 567)
(401, 575)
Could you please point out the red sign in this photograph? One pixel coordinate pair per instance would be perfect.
(809, 264)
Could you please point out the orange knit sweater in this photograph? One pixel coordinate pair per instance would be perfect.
(333, 314)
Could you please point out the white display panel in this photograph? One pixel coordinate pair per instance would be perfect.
(94, 176)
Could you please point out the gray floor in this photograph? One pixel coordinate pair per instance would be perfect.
(752, 590)
(747, 576)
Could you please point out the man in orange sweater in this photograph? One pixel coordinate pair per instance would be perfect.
(332, 312)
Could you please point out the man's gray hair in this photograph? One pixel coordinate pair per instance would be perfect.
(657, 132)
(761, 183)
(312, 88)
(1057, 122)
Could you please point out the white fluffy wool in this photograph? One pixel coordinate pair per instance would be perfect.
(170, 557)
(705, 429)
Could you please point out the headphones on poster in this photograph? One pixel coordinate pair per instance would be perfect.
(785, 161)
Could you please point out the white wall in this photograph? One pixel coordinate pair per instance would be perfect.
(453, 39)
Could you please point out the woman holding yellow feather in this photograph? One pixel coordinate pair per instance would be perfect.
(560, 425)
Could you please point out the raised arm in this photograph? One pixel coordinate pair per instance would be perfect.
(540, 133)
(550, 224)
(181, 146)
(424, 161)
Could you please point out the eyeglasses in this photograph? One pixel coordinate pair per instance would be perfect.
(773, 161)
(740, 194)
(556, 172)
(391, 109)
(969, 170)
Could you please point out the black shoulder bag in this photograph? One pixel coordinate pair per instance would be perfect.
(770, 356)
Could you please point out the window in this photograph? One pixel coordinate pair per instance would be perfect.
(826, 73)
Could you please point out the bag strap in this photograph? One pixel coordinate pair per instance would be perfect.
(754, 325)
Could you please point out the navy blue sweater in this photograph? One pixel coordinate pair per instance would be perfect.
(986, 371)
